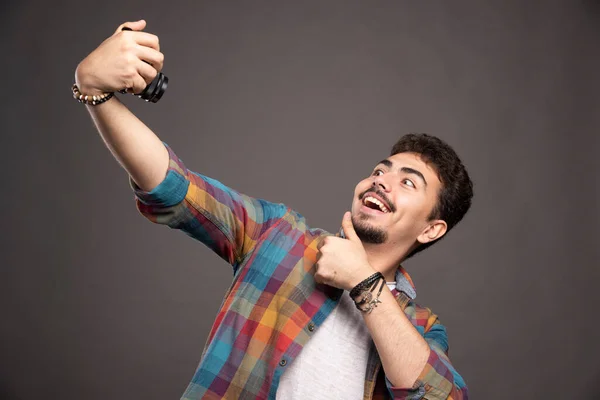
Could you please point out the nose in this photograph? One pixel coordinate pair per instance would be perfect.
(379, 182)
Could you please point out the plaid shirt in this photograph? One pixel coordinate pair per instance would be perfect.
(274, 305)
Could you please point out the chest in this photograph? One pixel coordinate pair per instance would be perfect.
(334, 360)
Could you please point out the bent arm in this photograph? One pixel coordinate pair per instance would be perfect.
(139, 151)
(413, 348)
(403, 351)
(438, 379)
(227, 221)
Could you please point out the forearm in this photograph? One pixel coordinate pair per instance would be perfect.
(127, 59)
(402, 350)
(139, 151)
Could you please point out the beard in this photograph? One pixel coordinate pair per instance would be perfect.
(368, 233)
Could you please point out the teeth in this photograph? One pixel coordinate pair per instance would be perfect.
(373, 200)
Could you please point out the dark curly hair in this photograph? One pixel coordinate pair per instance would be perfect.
(454, 198)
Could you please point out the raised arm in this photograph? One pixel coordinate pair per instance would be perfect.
(116, 64)
(228, 222)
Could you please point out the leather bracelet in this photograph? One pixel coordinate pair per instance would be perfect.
(366, 303)
(89, 99)
(365, 284)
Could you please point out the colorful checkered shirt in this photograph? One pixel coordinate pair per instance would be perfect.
(273, 305)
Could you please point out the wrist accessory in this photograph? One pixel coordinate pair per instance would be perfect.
(88, 99)
(362, 294)
(366, 284)
(152, 93)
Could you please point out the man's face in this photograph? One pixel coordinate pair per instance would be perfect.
(406, 188)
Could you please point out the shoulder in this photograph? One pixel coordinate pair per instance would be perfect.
(298, 222)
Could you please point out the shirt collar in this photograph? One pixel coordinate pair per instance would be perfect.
(404, 282)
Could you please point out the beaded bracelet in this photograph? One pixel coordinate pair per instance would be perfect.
(88, 99)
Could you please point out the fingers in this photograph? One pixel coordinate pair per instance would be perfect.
(138, 84)
(134, 31)
(349, 228)
(140, 39)
(321, 243)
(145, 39)
(321, 276)
(318, 277)
(133, 25)
(146, 71)
(152, 56)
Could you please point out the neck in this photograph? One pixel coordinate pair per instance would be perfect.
(383, 260)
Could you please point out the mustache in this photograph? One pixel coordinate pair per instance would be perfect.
(379, 193)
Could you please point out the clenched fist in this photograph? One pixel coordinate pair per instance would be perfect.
(342, 263)
(126, 60)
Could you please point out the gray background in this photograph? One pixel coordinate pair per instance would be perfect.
(295, 102)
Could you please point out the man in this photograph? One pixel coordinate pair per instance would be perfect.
(309, 314)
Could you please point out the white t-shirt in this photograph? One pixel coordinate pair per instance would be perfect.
(333, 362)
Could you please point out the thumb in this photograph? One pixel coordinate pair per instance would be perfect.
(132, 25)
(349, 231)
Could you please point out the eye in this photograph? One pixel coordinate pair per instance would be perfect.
(377, 172)
(408, 182)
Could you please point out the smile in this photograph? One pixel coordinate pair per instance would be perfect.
(373, 203)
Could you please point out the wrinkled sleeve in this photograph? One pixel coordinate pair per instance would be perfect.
(438, 379)
(228, 222)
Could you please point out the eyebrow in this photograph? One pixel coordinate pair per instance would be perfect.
(406, 170)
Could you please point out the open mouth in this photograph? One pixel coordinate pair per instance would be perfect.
(375, 204)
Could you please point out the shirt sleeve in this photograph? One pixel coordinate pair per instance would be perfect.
(438, 379)
(228, 222)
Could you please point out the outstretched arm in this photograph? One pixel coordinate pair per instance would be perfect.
(227, 221)
(127, 59)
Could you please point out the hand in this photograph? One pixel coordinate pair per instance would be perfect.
(118, 63)
(342, 263)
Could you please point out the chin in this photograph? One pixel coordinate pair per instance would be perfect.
(367, 231)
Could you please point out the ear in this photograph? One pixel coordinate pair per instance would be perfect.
(435, 230)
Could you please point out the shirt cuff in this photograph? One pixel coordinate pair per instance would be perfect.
(171, 191)
(435, 380)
